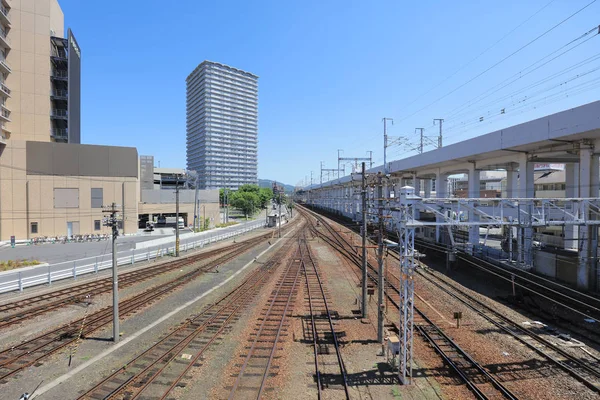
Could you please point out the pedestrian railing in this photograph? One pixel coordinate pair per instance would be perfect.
(40, 275)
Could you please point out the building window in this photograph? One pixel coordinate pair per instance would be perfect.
(97, 197)
(66, 198)
(96, 224)
(34, 227)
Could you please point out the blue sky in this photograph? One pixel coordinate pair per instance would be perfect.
(329, 71)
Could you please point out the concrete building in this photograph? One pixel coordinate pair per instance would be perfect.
(222, 125)
(50, 185)
(157, 196)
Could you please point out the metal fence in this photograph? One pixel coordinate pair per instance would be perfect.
(33, 276)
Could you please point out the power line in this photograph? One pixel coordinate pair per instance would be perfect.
(501, 61)
(526, 71)
(479, 55)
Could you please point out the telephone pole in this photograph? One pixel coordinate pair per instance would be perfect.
(177, 218)
(440, 120)
(385, 142)
(112, 222)
(364, 243)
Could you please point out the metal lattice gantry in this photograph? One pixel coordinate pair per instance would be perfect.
(406, 249)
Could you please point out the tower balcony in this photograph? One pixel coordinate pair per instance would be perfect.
(4, 40)
(4, 129)
(4, 66)
(59, 113)
(59, 133)
(4, 90)
(4, 12)
(59, 94)
(59, 74)
(4, 115)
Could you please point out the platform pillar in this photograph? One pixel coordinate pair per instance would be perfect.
(474, 192)
(441, 192)
(427, 189)
(512, 176)
(588, 238)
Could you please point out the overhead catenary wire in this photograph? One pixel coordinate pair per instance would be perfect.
(498, 62)
(470, 62)
(479, 55)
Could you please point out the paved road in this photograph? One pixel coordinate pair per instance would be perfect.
(52, 253)
(55, 253)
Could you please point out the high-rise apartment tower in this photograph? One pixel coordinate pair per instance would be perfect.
(222, 125)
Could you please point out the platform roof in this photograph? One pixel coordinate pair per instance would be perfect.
(546, 139)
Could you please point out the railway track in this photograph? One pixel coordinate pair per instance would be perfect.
(584, 372)
(27, 353)
(159, 369)
(258, 363)
(319, 327)
(38, 305)
(483, 384)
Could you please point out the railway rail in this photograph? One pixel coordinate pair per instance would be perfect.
(158, 370)
(482, 383)
(27, 353)
(584, 372)
(321, 328)
(41, 304)
(258, 362)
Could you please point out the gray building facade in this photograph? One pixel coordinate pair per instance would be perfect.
(222, 125)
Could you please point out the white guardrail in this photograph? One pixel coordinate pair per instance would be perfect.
(153, 249)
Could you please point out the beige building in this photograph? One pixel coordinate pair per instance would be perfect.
(50, 185)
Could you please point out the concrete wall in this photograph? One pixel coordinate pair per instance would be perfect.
(26, 195)
(81, 160)
(166, 196)
(209, 210)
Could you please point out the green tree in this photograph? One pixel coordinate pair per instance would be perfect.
(247, 202)
(249, 189)
(265, 195)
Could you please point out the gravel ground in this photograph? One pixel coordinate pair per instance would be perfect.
(56, 365)
(522, 370)
(369, 374)
(222, 388)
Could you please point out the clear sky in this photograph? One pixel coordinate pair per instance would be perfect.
(330, 70)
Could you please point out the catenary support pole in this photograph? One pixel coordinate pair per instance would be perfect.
(364, 243)
(381, 272)
(440, 120)
(177, 218)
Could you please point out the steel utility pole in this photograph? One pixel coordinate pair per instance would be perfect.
(280, 213)
(177, 218)
(440, 120)
(370, 158)
(381, 283)
(112, 222)
(385, 142)
(364, 242)
(420, 148)
(338, 171)
(196, 211)
(321, 172)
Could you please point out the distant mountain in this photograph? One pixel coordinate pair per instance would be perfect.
(269, 183)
